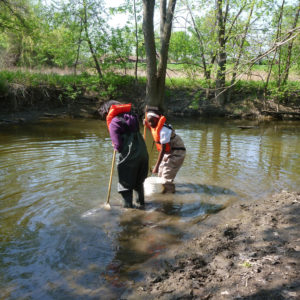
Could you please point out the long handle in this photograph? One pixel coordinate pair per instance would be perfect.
(111, 174)
(147, 142)
(145, 128)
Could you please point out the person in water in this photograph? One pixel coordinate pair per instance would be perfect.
(170, 146)
(132, 165)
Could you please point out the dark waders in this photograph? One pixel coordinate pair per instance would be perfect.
(132, 168)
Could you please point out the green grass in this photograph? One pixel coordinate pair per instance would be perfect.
(109, 86)
(113, 85)
(248, 85)
(186, 83)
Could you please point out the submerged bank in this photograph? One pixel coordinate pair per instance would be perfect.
(29, 97)
(256, 255)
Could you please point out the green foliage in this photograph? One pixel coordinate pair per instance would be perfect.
(282, 94)
(248, 87)
(246, 264)
(114, 84)
(73, 86)
(58, 49)
(195, 103)
(180, 46)
(186, 82)
(41, 34)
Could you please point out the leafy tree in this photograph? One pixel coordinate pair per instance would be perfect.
(17, 24)
(57, 39)
(120, 46)
(180, 47)
(133, 8)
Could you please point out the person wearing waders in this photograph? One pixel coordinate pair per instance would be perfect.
(132, 165)
(170, 146)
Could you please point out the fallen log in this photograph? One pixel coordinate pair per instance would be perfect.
(247, 127)
(280, 114)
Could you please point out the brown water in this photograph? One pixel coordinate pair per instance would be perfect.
(56, 243)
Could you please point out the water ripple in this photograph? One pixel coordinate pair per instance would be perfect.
(52, 173)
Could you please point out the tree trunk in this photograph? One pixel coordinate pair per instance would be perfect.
(78, 49)
(148, 29)
(220, 79)
(236, 65)
(136, 43)
(275, 53)
(85, 24)
(201, 48)
(156, 76)
(166, 18)
(290, 47)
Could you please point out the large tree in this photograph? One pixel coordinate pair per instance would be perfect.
(157, 60)
(17, 24)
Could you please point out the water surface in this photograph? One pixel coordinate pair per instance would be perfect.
(56, 243)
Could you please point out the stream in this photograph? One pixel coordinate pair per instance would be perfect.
(58, 242)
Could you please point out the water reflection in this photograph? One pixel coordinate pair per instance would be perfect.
(57, 241)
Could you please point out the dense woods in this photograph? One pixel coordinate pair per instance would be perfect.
(219, 43)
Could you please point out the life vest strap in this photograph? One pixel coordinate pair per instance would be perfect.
(179, 148)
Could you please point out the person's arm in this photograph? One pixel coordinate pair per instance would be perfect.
(159, 159)
(165, 136)
(146, 124)
(116, 131)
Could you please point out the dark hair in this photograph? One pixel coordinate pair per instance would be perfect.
(104, 108)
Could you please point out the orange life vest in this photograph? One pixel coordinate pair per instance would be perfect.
(117, 110)
(156, 134)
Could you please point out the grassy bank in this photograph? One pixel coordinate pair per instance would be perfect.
(70, 87)
(21, 91)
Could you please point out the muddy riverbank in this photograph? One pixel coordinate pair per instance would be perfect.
(253, 256)
(244, 109)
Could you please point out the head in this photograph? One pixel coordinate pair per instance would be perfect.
(104, 108)
(153, 118)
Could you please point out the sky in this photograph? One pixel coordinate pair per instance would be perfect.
(121, 19)
(116, 21)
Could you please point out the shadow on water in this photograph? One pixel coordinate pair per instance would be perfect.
(185, 188)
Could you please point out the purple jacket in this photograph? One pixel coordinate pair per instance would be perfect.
(117, 128)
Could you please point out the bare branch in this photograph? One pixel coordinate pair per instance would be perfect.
(290, 35)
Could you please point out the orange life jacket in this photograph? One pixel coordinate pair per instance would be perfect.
(117, 110)
(156, 134)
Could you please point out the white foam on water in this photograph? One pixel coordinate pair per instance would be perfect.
(91, 212)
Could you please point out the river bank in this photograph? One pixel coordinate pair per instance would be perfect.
(256, 255)
(26, 97)
(245, 109)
